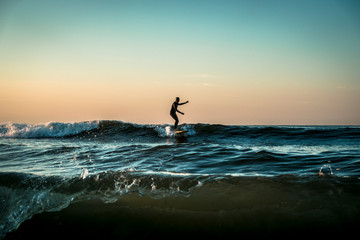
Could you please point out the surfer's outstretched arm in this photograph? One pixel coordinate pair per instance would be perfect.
(183, 103)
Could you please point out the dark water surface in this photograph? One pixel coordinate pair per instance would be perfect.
(116, 179)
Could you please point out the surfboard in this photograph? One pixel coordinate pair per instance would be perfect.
(180, 132)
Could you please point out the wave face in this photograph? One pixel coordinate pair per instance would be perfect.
(105, 128)
(215, 180)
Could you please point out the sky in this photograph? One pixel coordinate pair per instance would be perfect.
(236, 62)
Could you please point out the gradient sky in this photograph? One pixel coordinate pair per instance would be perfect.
(237, 62)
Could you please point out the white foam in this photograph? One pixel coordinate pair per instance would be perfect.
(165, 131)
(168, 131)
(50, 129)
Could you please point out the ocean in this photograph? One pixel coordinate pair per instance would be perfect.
(112, 180)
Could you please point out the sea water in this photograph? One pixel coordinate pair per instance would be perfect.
(142, 180)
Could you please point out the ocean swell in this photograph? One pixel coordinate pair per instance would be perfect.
(118, 130)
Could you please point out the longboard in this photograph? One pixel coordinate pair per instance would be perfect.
(181, 131)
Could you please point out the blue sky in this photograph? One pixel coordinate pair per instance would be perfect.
(274, 62)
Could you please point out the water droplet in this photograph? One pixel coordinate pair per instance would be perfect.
(325, 170)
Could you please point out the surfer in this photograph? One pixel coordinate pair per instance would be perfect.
(174, 109)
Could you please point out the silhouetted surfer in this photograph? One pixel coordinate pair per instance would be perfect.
(174, 109)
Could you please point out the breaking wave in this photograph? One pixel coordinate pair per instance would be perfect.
(124, 130)
(47, 130)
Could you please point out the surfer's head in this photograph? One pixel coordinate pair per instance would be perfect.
(177, 99)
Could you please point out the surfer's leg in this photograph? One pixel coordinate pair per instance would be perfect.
(176, 123)
(174, 116)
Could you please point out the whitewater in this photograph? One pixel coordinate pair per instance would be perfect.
(116, 179)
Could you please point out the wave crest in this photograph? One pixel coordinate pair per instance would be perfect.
(118, 130)
(50, 129)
